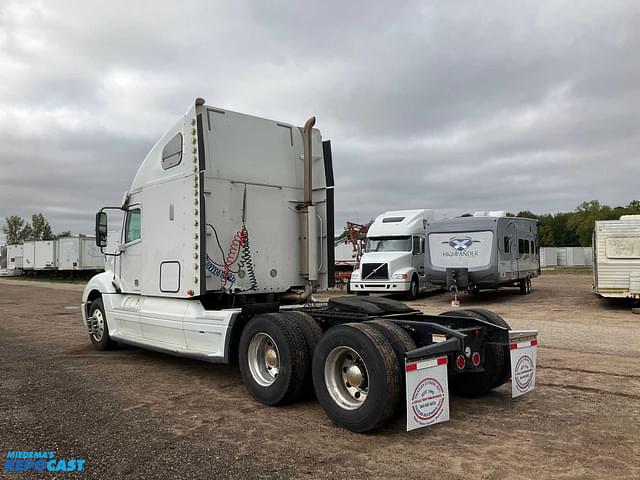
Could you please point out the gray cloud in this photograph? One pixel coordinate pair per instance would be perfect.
(458, 106)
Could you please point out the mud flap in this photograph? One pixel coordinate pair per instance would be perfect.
(427, 392)
(523, 347)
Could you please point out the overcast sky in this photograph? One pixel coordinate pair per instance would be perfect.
(454, 105)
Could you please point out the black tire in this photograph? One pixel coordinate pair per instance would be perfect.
(362, 294)
(100, 342)
(399, 339)
(474, 384)
(529, 286)
(382, 376)
(474, 290)
(523, 286)
(293, 358)
(312, 333)
(401, 343)
(496, 319)
(414, 289)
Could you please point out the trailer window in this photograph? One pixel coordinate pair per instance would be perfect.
(172, 152)
(521, 246)
(132, 229)
(526, 246)
(389, 244)
(507, 245)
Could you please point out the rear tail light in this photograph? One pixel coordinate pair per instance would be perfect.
(460, 362)
(475, 359)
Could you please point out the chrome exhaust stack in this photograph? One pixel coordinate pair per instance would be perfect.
(308, 223)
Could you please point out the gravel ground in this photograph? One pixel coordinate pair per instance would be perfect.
(138, 414)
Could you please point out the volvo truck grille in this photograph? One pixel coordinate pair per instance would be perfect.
(375, 271)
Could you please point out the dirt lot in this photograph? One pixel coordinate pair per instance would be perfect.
(136, 414)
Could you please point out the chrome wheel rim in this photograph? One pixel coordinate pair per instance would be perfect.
(97, 314)
(263, 359)
(346, 378)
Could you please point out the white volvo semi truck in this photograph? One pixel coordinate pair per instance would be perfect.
(394, 258)
(227, 230)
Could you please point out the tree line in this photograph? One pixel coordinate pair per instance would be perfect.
(18, 230)
(574, 229)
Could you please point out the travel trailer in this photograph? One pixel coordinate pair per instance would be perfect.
(485, 251)
(616, 262)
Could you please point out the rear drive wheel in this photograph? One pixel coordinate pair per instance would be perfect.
(312, 333)
(101, 339)
(496, 319)
(414, 289)
(356, 376)
(273, 358)
(529, 285)
(474, 384)
(400, 341)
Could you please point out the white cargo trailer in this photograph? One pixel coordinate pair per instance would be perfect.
(15, 255)
(91, 258)
(548, 257)
(29, 255)
(228, 229)
(45, 255)
(616, 263)
(79, 253)
(68, 253)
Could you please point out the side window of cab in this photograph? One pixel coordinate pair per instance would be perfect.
(133, 225)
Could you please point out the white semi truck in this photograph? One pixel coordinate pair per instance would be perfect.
(394, 258)
(227, 231)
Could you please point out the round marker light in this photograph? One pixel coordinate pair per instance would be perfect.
(475, 359)
(460, 362)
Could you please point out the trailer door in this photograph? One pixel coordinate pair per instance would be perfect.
(512, 234)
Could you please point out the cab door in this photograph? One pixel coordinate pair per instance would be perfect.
(418, 257)
(130, 259)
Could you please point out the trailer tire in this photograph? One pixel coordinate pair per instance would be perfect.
(496, 319)
(525, 286)
(312, 333)
(273, 358)
(375, 368)
(474, 384)
(102, 341)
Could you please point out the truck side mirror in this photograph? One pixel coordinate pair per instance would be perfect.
(101, 229)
